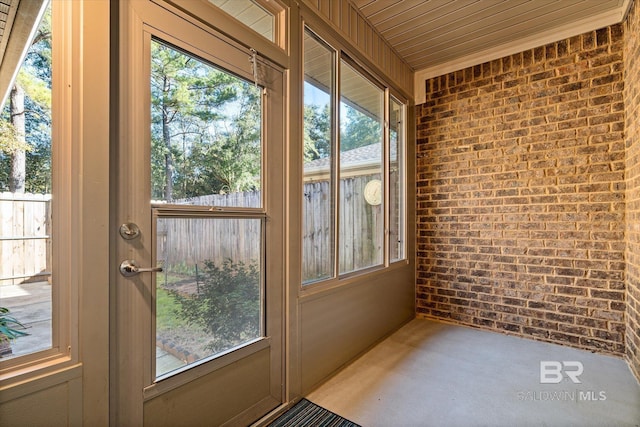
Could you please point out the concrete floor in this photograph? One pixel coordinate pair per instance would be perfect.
(166, 362)
(30, 303)
(435, 374)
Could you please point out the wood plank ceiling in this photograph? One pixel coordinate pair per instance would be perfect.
(427, 33)
(433, 36)
(8, 10)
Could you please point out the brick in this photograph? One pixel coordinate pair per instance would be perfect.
(565, 338)
(559, 317)
(608, 315)
(505, 308)
(571, 290)
(610, 295)
(598, 344)
(508, 327)
(544, 324)
(590, 322)
(607, 335)
(572, 309)
(521, 175)
(572, 272)
(573, 329)
(484, 322)
(541, 305)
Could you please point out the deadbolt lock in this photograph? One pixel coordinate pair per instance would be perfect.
(129, 231)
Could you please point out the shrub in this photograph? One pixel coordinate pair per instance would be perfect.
(227, 306)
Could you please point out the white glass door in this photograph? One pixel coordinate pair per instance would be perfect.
(198, 300)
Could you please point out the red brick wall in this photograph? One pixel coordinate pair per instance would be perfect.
(521, 194)
(632, 110)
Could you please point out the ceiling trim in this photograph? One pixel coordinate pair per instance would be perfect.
(540, 39)
(22, 29)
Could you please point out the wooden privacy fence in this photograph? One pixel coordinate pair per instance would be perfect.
(25, 242)
(25, 227)
(185, 243)
(359, 231)
(250, 199)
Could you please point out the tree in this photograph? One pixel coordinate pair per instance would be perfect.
(26, 122)
(236, 158)
(205, 127)
(359, 130)
(18, 156)
(317, 132)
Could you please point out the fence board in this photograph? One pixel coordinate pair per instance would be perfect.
(6, 246)
(25, 246)
(25, 221)
(187, 243)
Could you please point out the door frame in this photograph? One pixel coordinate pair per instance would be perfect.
(131, 298)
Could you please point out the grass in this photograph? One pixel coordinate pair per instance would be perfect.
(167, 308)
(170, 325)
(168, 311)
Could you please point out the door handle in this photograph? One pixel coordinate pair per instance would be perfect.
(130, 267)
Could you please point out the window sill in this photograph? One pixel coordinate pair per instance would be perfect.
(358, 278)
(21, 380)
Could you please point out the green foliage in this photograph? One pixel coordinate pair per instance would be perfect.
(205, 128)
(317, 132)
(9, 140)
(36, 142)
(359, 130)
(166, 312)
(233, 157)
(34, 77)
(8, 324)
(228, 305)
(35, 88)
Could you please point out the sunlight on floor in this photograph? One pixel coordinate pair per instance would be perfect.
(11, 291)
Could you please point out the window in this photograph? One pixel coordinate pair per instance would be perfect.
(28, 282)
(261, 16)
(353, 167)
(206, 162)
(396, 180)
(45, 253)
(317, 214)
(205, 133)
(361, 199)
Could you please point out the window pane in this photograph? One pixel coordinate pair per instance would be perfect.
(361, 198)
(317, 209)
(251, 14)
(396, 173)
(205, 133)
(26, 283)
(209, 296)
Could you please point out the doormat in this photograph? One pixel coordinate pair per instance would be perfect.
(306, 413)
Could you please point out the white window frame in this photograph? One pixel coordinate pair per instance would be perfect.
(402, 178)
(273, 8)
(338, 278)
(345, 60)
(219, 20)
(66, 205)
